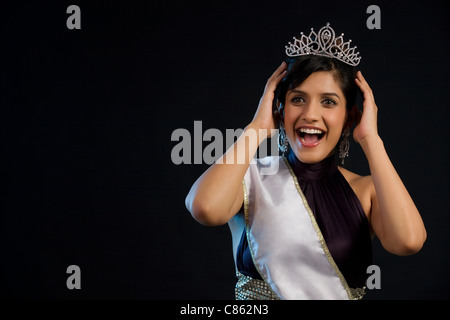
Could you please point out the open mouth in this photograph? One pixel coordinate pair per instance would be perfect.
(310, 137)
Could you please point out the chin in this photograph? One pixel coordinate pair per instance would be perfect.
(308, 158)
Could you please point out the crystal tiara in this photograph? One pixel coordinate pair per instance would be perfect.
(324, 43)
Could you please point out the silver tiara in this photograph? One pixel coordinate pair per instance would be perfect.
(324, 43)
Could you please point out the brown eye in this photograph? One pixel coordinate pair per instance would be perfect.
(329, 102)
(297, 100)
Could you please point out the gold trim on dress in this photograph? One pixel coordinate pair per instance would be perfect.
(247, 232)
(353, 294)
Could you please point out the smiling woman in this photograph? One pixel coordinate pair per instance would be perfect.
(317, 86)
(315, 114)
(305, 232)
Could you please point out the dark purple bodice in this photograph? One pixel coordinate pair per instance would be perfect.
(339, 215)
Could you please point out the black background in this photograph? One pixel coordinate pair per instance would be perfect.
(87, 117)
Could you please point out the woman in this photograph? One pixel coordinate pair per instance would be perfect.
(305, 232)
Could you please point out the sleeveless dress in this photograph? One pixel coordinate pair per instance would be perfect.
(339, 215)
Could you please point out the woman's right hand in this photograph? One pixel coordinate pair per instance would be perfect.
(264, 117)
(217, 195)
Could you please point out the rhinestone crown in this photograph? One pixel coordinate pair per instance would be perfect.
(324, 43)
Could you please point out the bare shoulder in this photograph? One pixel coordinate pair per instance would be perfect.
(352, 177)
(362, 186)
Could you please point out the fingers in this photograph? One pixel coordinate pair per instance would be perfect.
(281, 69)
(361, 82)
(363, 86)
(279, 74)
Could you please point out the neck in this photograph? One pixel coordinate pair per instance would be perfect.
(312, 171)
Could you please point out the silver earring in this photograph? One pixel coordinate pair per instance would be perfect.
(282, 139)
(345, 145)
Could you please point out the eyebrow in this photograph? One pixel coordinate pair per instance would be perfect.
(323, 94)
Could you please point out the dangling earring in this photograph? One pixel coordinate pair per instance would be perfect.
(345, 145)
(282, 139)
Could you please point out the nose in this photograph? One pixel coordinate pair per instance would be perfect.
(311, 112)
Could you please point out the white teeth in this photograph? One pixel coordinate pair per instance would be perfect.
(311, 131)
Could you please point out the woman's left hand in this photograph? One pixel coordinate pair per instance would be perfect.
(394, 217)
(367, 126)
